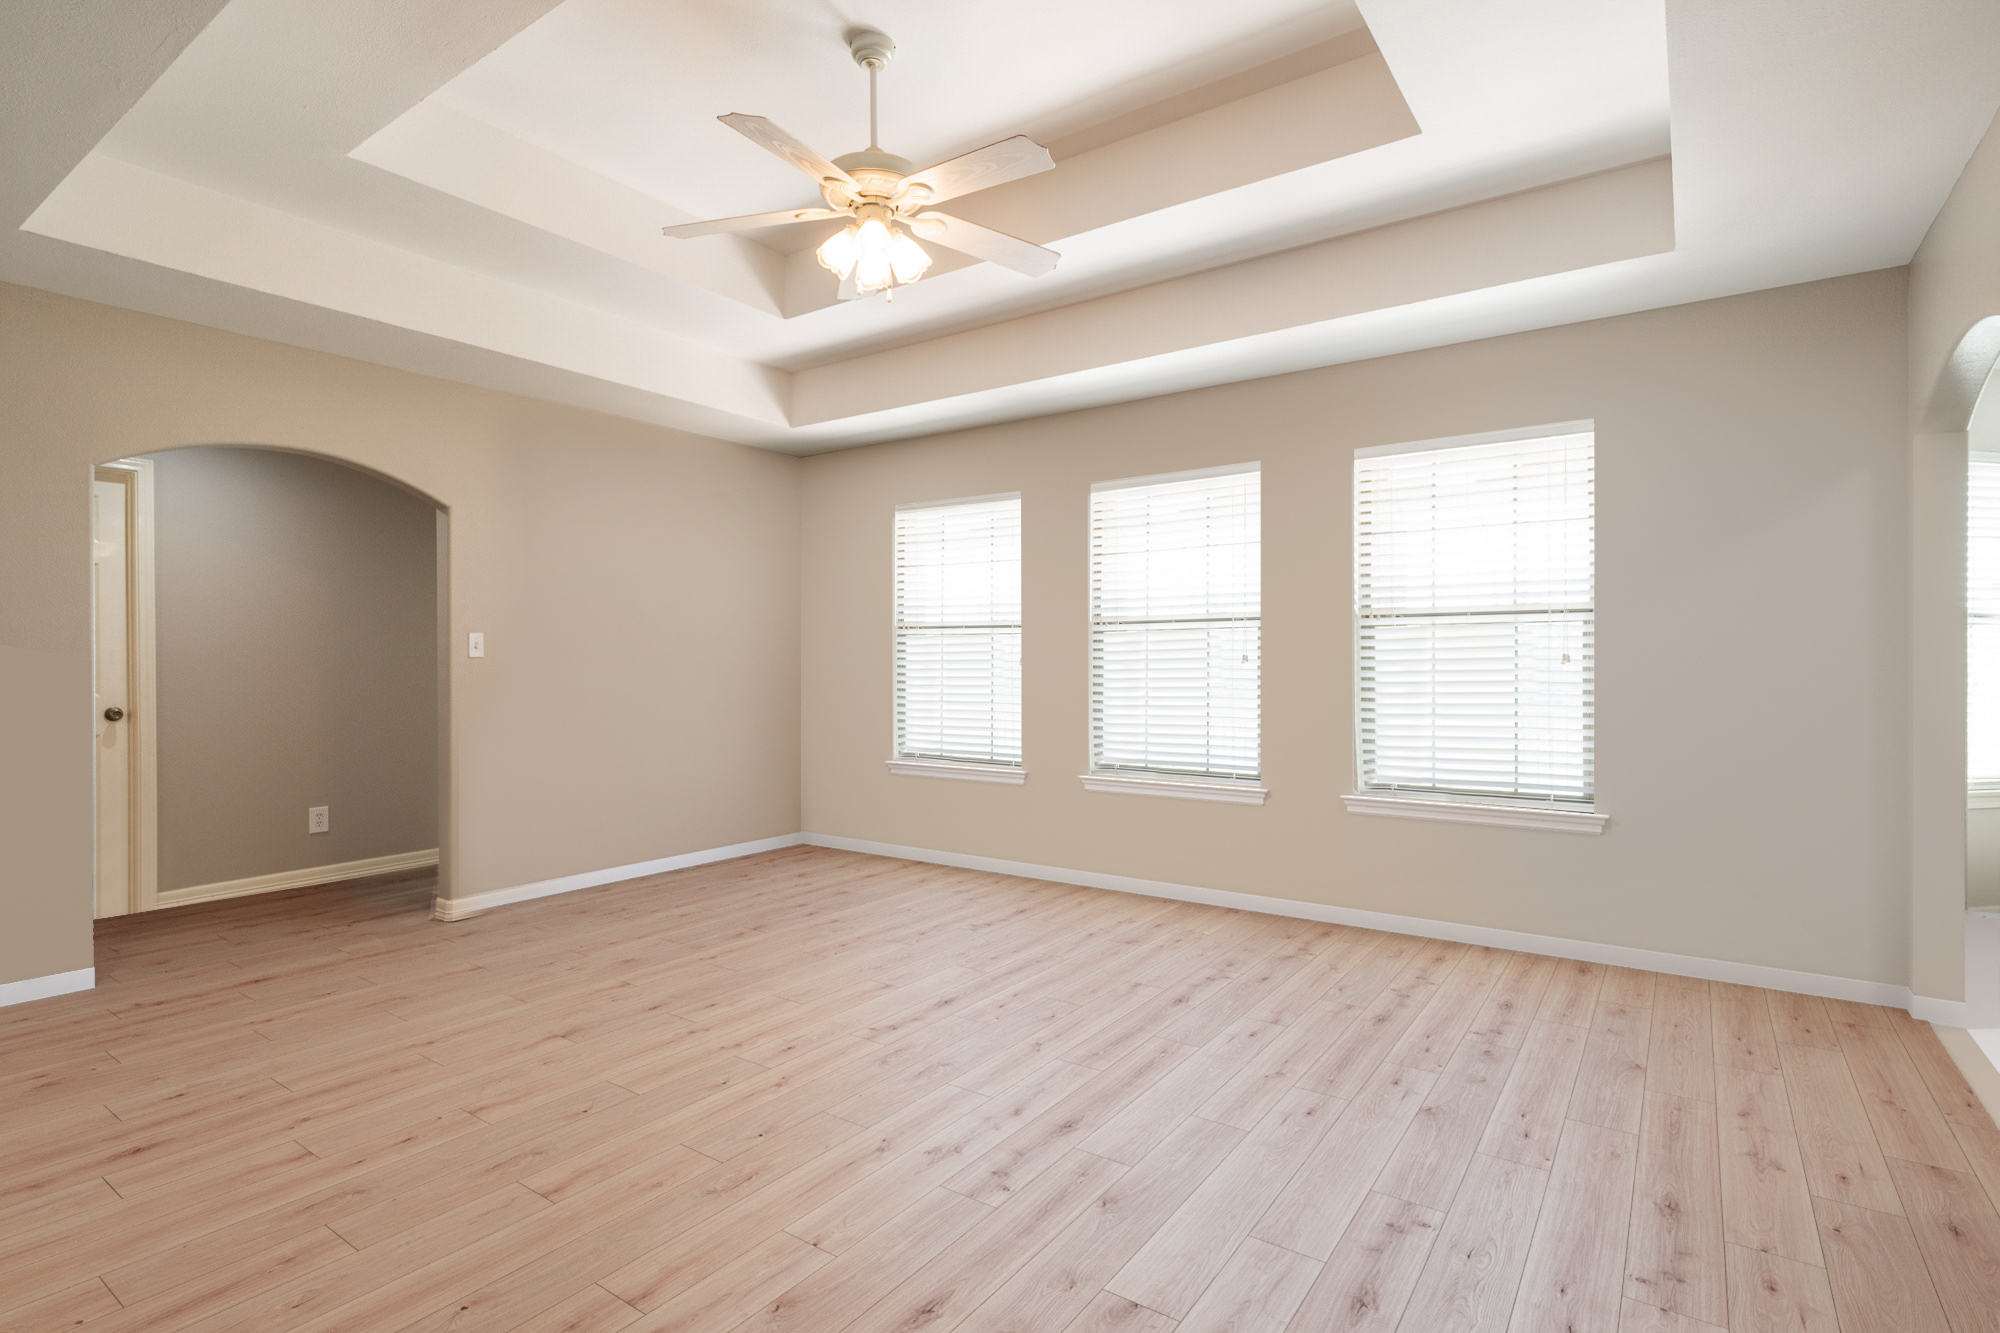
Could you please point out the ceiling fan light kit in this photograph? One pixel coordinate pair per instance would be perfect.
(887, 201)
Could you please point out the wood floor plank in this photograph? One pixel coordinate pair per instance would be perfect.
(1052, 1289)
(1172, 1269)
(1639, 1317)
(1313, 1211)
(732, 1293)
(837, 1294)
(1429, 1041)
(1256, 1291)
(1907, 1122)
(1470, 1280)
(1366, 1283)
(1572, 992)
(591, 1310)
(1801, 1020)
(1744, 1037)
(1673, 1252)
(1877, 1273)
(1958, 1232)
(1766, 1206)
(1432, 1156)
(1107, 1313)
(1680, 1059)
(1611, 1079)
(1527, 1122)
(952, 1285)
(1772, 1294)
(1575, 1272)
(1015, 1161)
(1629, 987)
(68, 1308)
(1248, 1095)
(1842, 1159)
(1510, 1007)
(855, 1211)
(1954, 1096)
(1981, 1146)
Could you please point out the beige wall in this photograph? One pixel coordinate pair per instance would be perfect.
(298, 644)
(638, 588)
(1752, 536)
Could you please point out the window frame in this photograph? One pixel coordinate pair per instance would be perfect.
(903, 761)
(1458, 805)
(1127, 779)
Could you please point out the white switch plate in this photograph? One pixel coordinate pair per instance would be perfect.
(316, 820)
(475, 644)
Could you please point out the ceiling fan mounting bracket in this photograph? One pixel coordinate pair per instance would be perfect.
(870, 47)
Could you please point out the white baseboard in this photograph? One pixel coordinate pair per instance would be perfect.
(297, 879)
(43, 988)
(457, 909)
(1949, 1012)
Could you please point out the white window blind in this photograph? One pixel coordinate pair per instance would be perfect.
(958, 631)
(1982, 623)
(1473, 574)
(1175, 602)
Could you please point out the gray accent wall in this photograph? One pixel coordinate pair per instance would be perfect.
(297, 623)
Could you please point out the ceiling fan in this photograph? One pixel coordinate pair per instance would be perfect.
(888, 201)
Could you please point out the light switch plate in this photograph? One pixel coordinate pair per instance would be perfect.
(475, 644)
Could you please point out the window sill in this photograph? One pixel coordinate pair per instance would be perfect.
(1232, 793)
(1982, 800)
(1466, 812)
(932, 768)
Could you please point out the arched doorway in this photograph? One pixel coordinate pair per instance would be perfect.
(279, 717)
(1954, 951)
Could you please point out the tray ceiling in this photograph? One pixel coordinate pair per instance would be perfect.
(476, 189)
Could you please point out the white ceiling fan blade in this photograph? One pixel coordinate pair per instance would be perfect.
(985, 243)
(784, 217)
(769, 137)
(982, 168)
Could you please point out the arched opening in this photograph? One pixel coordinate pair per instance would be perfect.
(1954, 945)
(272, 711)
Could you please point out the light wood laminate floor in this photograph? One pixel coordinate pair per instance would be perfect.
(815, 1091)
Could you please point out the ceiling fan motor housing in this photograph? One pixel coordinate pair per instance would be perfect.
(870, 47)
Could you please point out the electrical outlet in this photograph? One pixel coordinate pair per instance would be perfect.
(475, 644)
(316, 820)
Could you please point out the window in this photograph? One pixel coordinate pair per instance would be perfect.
(1474, 615)
(1982, 623)
(958, 631)
(1174, 637)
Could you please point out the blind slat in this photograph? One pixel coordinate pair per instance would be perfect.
(1982, 624)
(1473, 594)
(1176, 606)
(958, 632)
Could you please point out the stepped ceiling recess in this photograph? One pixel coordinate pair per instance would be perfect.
(475, 188)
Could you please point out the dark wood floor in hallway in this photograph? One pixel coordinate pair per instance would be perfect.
(817, 1091)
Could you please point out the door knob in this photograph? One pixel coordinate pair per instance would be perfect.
(114, 714)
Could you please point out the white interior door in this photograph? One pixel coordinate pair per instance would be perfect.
(111, 602)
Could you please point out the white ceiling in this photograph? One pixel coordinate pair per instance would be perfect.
(474, 189)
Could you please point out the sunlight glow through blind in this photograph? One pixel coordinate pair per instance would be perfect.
(1475, 619)
(1982, 622)
(958, 631)
(1175, 607)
